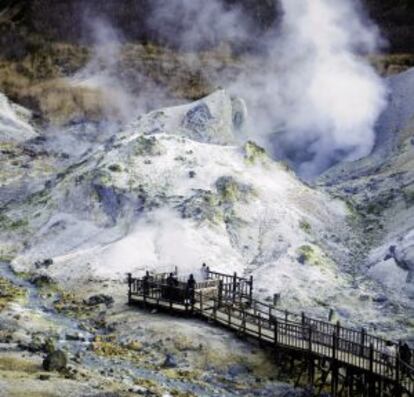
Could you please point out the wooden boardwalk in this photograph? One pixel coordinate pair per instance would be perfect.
(329, 357)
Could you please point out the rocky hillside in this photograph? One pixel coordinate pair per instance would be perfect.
(380, 188)
(103, 205)
(395, 18)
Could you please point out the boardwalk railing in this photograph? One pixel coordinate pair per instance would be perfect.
(233, 286)
(353, 355)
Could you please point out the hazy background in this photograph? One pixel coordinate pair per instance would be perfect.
(302, 66)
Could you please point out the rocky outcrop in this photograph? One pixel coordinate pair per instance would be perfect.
(132, 17)
(14, 122)
(55, 361)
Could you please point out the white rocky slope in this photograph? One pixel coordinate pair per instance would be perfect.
(174, 188)
(380, 188)
(14, 122)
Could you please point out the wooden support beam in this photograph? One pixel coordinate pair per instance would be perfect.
(397, 390)
(215, 304)
(220, 293)
(371, 380)
(201, 301)
(129, 288)
(259, 326)
(251, 290)
(276, 333)
(362, 347)
(234, 286)
(334, 366)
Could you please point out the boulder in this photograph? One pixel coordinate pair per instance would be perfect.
(170, 361)
(99, 299)
(41, 280)
(237, 369)
(43, 264)
(198, 120)
(56, 361)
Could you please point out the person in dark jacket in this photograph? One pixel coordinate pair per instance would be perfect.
(191, 284)
(146, 283)
(172, 284)
(405, 355)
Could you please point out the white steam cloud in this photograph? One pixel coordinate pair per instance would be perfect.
(100, 72)
(312, 95)
(313, 98)
(330, 97)
(104, 73)
(196, 24)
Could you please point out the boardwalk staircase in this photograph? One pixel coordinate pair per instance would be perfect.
(328, 357)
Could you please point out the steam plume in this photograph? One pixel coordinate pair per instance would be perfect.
(314, 99)
(312, 95)
(328, 96)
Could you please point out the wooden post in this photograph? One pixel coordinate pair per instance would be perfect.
(259, 326)
(276, 332)
(371, 358)
(201, 301)
(398, 389)
(338, 329)
(234, 286)
(371, 380)
(310, 339)
(311, 371)
(338, 333)
(334, 345)
(215, 309)
(303, 321)
(334, 366)
(220, 293)
(251, 290)
(362, 347)
(129, 288)
(244, 321)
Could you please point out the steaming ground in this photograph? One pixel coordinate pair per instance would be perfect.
(174, 188)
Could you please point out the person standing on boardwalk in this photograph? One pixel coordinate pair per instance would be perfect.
(405, 355)
(204, 272)
(146, 283)
(388, 354)
(191, 284)
(171, 285)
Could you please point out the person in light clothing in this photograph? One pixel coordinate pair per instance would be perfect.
(204, 272)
